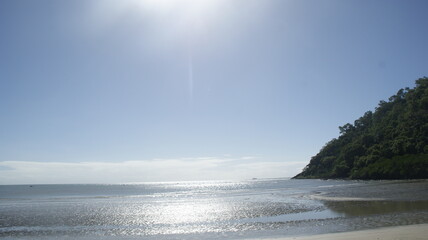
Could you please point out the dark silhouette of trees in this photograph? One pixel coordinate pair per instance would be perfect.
(389, 143)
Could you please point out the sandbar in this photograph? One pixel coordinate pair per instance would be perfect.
(414, 232)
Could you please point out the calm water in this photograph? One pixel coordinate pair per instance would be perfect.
(192, 210)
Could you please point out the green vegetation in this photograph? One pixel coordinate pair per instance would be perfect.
(390, 143)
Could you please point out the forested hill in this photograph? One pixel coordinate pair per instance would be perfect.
(390, 143)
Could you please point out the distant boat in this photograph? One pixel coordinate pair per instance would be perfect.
(253, 178)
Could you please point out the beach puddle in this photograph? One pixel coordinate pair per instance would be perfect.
(366, 208)
(303, 216)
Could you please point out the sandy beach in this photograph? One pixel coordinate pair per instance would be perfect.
(414, 232)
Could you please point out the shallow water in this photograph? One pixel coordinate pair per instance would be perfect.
(367, 208)
(194, 210)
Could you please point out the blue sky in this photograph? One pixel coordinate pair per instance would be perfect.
(187, 90)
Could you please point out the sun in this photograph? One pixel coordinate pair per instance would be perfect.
(186, 10)
(158, 5)
(170, 18)
(178, 5)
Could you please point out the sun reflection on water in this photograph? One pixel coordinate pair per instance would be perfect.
(188, 212)
(172, 210)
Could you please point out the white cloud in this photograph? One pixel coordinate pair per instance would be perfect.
(180, 169)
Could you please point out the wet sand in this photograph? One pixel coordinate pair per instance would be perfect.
(388, 210)
(389, 190)
(414, 232)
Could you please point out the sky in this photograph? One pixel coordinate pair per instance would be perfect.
(110, 91)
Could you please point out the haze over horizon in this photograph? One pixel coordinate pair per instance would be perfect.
(170, 90)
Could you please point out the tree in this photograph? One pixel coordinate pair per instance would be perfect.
(391, 142)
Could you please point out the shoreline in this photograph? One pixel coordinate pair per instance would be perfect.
(414, 232)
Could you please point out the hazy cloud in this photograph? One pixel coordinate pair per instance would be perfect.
(5, 168)
(204, 168)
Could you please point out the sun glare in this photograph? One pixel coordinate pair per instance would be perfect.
(191, 11)
(174, 4)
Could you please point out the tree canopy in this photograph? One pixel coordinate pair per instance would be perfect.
(389, 143)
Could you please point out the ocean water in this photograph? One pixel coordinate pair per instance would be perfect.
(193, 210)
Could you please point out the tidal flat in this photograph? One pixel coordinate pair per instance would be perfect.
(262, 208)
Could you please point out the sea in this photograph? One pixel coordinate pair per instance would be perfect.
(256, 208)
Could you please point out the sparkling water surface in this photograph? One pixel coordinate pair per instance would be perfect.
(190, 210)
